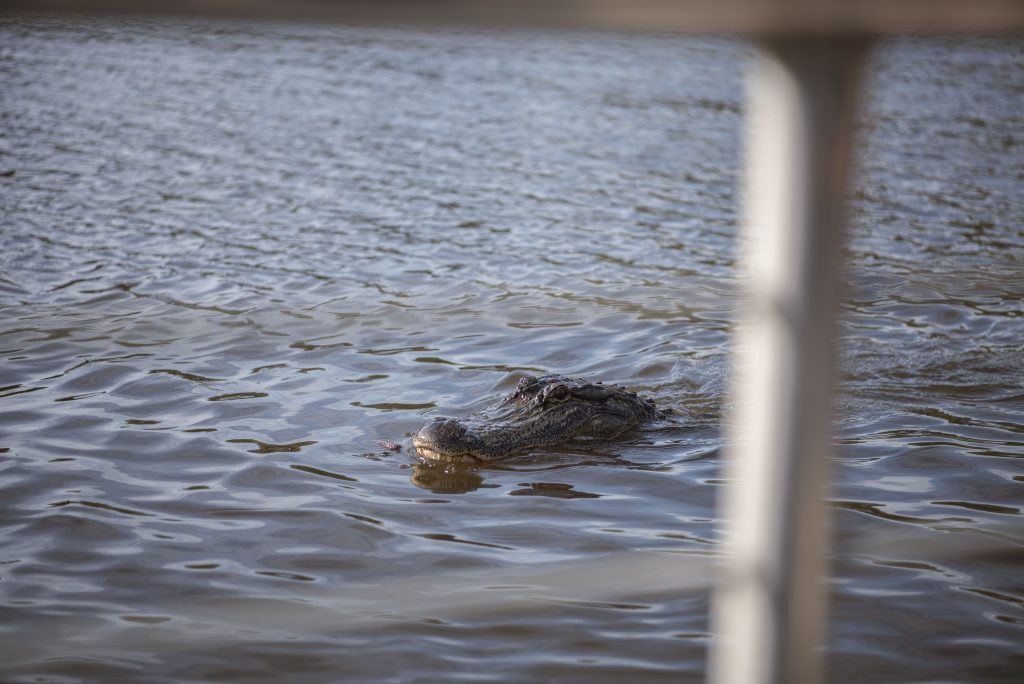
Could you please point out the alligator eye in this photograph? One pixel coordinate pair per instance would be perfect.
(557, 393)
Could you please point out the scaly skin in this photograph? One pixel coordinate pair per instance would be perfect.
(540, 412)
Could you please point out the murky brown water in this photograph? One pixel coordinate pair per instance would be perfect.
(234, 256)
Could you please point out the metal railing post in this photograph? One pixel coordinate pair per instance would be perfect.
(769, 607)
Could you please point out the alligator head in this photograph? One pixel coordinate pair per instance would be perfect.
(540, 412)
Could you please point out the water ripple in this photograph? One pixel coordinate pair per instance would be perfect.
(239, 257)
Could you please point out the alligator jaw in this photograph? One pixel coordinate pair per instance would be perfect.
(424, 450)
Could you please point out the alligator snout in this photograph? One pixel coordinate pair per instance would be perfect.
(445, 438)
(442, 428)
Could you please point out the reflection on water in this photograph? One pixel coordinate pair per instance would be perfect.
(241, 263)
(446, 478)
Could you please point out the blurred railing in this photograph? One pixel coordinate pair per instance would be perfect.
(768, 608)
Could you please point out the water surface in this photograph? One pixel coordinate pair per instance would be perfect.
(235, 256)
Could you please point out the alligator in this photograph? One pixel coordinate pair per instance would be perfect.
(541, 412)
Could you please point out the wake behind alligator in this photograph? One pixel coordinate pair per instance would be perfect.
(540, 412)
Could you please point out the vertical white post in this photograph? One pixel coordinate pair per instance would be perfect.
(769, 607)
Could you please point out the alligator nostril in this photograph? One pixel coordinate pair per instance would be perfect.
(449, 428)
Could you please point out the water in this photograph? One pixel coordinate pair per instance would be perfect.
(235, 256)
